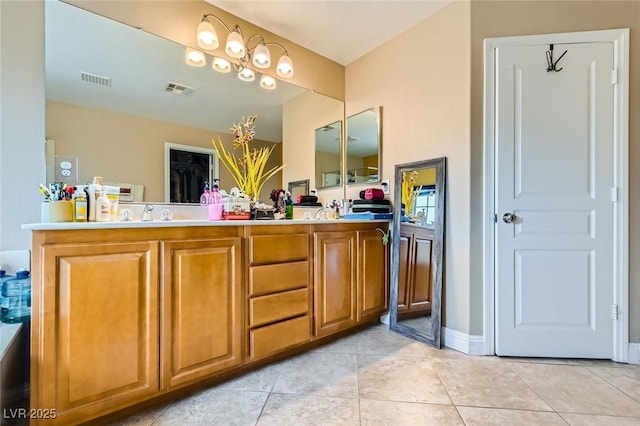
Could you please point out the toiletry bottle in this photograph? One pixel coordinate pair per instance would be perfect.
(80, 204)
(103, 208)
(216, 197)
(205, 198)
(94, 190)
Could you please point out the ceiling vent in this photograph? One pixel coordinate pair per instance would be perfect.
(96, 79)
(179, 89)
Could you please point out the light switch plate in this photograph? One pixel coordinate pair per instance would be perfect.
(66, 168)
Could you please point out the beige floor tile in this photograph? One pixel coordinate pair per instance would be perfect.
(558, 361)
(395, 378)
(625, 379)
(319, 373)
(379, 341)
(591, 420)
(215, 407)
(606, 363)
(473, 416)
(389, 413)
(345, 345)
(261, 380)
(482, 383)
(574, 389)
(287, 409)
(144, 418)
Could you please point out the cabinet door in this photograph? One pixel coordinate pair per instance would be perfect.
(421, 279)
(372, 275)
(404, 272)
(334, 281)
(201, 309)
(99, 331)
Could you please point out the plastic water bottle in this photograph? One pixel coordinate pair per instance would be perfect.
(15, 305)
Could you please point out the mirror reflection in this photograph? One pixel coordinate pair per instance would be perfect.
(363, 136)
(416, 276)
(116, 94)
(327, 151)
(298, 188)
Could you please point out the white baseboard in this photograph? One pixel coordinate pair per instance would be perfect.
(462, 342)
(634, 353)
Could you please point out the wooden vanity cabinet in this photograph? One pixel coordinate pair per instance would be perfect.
(350, 276)
(201, 311)
(278, 291)
(121, 316)
(372, 282)
(335, 294)
(95, 328)
(415, 274)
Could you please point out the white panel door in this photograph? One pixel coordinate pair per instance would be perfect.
(554, 175)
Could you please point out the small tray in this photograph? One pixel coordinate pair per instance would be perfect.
(369, 216)
(233, 216)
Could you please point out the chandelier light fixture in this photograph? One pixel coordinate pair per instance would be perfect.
(235, 47)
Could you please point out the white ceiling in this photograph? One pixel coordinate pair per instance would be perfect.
(340, 30)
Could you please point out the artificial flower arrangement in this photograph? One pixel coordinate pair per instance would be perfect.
(409, 191)
(248, 170)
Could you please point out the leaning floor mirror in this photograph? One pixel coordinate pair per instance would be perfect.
(417, 250)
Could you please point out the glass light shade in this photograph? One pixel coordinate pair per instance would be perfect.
(221, 65)
(267, 82)
(285, 67)
(261, 56)
(207, 37)
(246, 74)
(235, 47)
(195, 58)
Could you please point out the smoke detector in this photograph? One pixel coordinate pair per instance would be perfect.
(179, 89)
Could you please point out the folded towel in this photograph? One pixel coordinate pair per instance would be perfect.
(306, 199)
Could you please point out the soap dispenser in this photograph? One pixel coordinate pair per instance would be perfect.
(205, 197)
(103, 208)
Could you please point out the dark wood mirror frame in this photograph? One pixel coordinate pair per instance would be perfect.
(434, 320)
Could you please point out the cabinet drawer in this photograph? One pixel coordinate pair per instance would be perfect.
(266, 249)
(272, 278)
(274, 338)
(274, 307)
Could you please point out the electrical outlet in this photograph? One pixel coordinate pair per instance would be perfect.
(66, 169)
(385, 186)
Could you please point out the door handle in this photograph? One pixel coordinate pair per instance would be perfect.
(509, 218)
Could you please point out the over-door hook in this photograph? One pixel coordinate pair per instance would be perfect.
(551, 66)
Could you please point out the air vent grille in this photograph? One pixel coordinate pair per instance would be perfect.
(100, 80)
(179, 89)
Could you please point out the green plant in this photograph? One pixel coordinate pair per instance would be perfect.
(249, 170)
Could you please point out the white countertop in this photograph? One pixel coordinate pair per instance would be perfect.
(59, 226)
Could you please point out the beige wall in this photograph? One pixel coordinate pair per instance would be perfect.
(422, 81)
(301, 116)
(327, 162)
(177, 20)
(21, 119)
(124, 148)
(508, 18)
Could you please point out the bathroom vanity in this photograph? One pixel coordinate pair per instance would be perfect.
(123, 313)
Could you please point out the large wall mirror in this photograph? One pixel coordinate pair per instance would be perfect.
(115, 94)
(328, 140)
(362, 144)
(417, 250)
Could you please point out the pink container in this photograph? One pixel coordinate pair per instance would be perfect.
(215, 211)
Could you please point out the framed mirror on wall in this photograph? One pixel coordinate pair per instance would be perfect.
(417, 250)
(328, 171)
(297, 188)
(362, 146)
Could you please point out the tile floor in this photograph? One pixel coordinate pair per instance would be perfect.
(377, 377)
